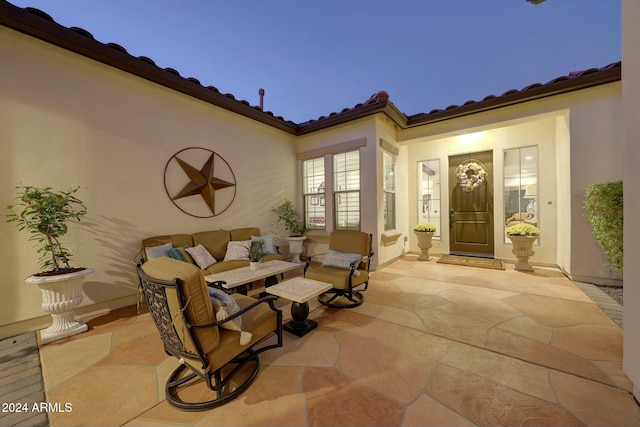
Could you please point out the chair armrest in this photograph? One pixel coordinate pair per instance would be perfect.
(269, 299)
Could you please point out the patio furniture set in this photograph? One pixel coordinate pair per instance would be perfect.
(207, 321)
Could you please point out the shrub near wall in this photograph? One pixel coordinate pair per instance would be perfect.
(603, 203)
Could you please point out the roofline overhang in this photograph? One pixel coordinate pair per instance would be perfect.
(79, 41)
(562, 86)
(37, 24)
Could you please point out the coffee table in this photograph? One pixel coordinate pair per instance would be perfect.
(239, 277)
(300, 291)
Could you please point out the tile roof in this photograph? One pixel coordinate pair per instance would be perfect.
(37, 23)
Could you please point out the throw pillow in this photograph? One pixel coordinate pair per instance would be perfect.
(157, 251)
(267, 243)
(201, 256)
(340, 259)
(181, 254)
(225, 306)
(237, 250)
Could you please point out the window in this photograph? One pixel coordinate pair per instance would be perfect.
(346, 190)
(429, 193)
(389, 188)
(313, 193)
(521, 186)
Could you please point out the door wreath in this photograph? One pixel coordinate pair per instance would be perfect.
(470, 175)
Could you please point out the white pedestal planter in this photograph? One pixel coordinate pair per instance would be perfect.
(295, 247)
(523, 249)
(424, 243)
(61, 294)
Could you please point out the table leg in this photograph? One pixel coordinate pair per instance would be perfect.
(300, 324)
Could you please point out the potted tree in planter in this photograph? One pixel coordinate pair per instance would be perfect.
(44, 214)
(288, 216)
(424, 232)
(522, 237)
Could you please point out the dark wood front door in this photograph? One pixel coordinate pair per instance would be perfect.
(471, 204)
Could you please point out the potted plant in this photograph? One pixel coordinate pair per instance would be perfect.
(288, 216)
(424, 232)
(44, 214)
(522, 237)
(255, 253)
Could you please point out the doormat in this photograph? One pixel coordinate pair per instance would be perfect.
(495, 264)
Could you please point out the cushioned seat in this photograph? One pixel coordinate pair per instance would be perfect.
(209, 348)
(345, 267)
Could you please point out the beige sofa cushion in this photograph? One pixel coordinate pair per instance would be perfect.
(215, 241)
(244, 233)
(176, 240)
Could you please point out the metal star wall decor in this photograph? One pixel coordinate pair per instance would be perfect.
(214, 176)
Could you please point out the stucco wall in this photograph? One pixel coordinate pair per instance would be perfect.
(596, 157)
(539, 132)
(67, 121)
(631, 137)
(582, 128)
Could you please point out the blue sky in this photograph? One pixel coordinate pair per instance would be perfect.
(314, 58)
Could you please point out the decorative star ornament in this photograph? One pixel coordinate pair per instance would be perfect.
(202, 181)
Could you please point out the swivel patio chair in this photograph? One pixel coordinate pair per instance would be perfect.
(181, 307)
(345, 266)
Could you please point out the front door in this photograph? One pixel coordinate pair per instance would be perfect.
(471, 204)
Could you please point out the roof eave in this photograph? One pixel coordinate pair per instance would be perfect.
(386, 107)
(565, 86)
(27, 23)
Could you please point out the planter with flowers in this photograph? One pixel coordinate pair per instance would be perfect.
(522, 237)
(44, 214)
(424, 232)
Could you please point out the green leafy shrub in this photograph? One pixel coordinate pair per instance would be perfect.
(44, 214)
(603, 203)
(288, 216)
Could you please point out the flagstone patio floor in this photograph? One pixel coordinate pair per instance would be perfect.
(432, 345)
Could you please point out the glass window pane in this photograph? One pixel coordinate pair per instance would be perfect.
(521, 187)
(313, 175)
(314, 212)
(347, 210)
(313, 193)
(429, 193)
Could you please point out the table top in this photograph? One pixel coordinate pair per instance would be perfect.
(299, 289)
(244, 275)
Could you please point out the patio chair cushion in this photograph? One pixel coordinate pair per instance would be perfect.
(199, 309)
(340, 259)
(260, 321)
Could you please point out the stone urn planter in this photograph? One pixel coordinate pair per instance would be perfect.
(522, 237)
(523, 249)
(424, 243)
(296, 247)
(61, 294)
(424, 232)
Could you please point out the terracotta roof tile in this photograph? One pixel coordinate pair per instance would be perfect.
(145, 67)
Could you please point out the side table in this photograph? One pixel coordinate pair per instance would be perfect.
(300, 291)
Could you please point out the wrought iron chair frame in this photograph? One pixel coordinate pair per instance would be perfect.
(215, 380)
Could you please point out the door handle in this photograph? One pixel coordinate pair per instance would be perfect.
(451, 216)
